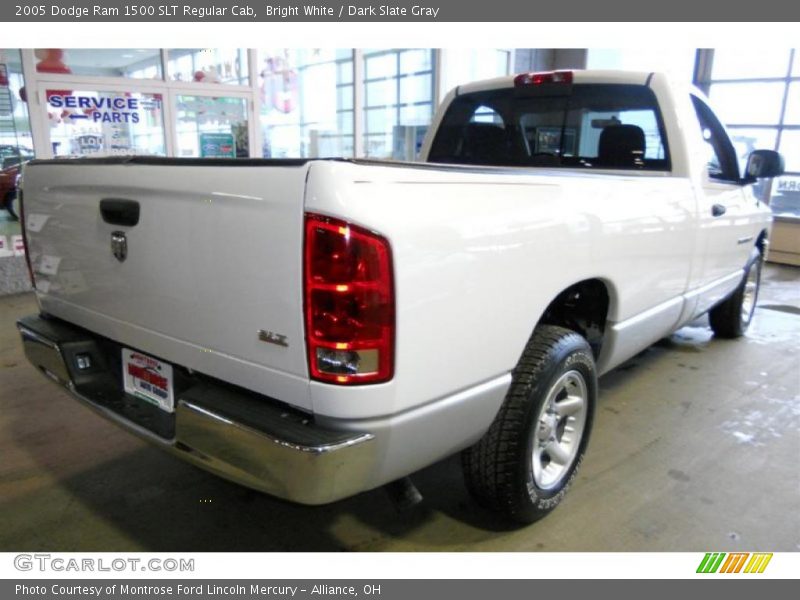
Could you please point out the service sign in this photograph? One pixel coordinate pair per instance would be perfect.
(107, 108)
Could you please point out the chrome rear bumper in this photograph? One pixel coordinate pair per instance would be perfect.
(240, 436)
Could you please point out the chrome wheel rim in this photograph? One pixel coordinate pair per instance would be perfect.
(558, 430)
(750, 293)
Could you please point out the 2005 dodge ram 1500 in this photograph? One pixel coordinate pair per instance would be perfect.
(317, 328)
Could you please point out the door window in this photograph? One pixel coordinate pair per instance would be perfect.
(212, 127)
(722, 163)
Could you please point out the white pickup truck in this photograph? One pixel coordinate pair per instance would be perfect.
(317, 328)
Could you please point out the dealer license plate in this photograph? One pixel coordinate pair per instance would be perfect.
(148, 379)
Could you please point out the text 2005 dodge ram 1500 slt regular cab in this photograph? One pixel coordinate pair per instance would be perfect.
(317, 328)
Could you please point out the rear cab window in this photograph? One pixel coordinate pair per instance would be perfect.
(585, 126)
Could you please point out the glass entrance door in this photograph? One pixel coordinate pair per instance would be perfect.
(211, 126)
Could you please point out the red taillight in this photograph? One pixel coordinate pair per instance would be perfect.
(540, 78)
(349, 303)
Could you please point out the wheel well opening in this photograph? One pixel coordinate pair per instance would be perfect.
(582, 307)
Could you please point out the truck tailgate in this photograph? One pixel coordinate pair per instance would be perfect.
(212, 277)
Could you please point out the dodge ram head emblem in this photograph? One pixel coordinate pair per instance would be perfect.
(119, 245)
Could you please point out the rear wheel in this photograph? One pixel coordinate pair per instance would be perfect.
(524, 464)
(731, 318)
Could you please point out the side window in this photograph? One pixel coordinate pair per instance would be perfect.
(722, 162)
(486, 114)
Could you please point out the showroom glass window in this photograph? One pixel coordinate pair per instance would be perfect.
(463, 65)
(676, 62)
(307, 104)
(208, 65)
(16, 144)
(757, 94)
(105, 123)
(132, 63)
(398, 101)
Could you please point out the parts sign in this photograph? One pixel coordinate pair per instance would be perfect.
(117, 109)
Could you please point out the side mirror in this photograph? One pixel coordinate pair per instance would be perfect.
(762, 164)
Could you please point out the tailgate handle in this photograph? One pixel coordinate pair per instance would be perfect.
(118, 211)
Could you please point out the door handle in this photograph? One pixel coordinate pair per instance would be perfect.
(717, 210)
(118, 211)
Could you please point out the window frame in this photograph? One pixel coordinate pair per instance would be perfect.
(396, 81)
(720, 141)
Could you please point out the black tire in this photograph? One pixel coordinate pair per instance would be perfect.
(9, 202)
(499, 469)
(731, 318)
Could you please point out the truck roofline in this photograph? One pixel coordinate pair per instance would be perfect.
(579, 76)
